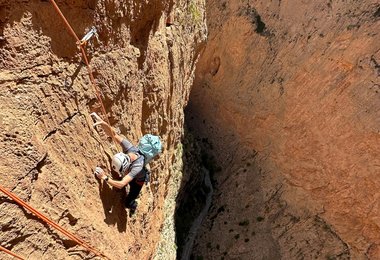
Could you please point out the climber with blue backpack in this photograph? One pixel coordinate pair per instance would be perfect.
(130, 163)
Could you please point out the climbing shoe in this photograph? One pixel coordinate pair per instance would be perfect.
(131, 205)
(132, 208)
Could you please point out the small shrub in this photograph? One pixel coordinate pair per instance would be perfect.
(259, 219)
(244, 223)
(222, 208)
(196, 15)
(352, 27)
(294, 219)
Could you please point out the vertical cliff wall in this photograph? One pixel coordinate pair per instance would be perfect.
(143, 64)
(286, 98)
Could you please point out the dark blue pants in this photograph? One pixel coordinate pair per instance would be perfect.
(134, 191)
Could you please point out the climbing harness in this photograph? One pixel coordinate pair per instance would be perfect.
(88, 36)
(52, 223)
(11, 253)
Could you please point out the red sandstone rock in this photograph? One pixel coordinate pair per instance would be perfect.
(298, 83)
(48, 146)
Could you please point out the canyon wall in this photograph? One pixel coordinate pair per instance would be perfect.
(143, 64)
(286, 99)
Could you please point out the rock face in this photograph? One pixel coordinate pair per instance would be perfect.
(287, 97)
(144, 66)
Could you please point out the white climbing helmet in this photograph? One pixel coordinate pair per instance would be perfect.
(120, 162)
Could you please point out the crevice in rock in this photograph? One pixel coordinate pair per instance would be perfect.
(260, 25)
(196, 223)
(71, 219)
(68, 243)
(17, 240)
(147, 110)
(171, 67)
(69, 118)
(145, 23)
(255, 18)
(29, 68)
(38, 168)
(55, 130)
(375, 64)
(329, 228)
(52, 132)
(377, 12)
(193, 193)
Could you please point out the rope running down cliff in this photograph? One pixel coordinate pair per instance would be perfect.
(83, 51)
(52, 223)
(10, 253)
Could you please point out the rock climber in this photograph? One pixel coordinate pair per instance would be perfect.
(129, 165)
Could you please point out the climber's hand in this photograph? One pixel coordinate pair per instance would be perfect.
(98, 120)
(99, 173)
(106, 127)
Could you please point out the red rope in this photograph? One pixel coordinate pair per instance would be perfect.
(10, 253)
(83, 51)
(53, 224)
(92, 79)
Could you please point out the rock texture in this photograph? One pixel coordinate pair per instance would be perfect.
(286, 98)
(144, 65)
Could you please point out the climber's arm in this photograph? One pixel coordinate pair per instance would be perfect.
(107, 128)
(111, 132)
(114, 183)
(120, 184)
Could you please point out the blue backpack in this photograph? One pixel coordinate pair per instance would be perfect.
(149, 146)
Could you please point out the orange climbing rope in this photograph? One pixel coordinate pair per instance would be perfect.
(52, 223)
(83, 51)
(11, 253)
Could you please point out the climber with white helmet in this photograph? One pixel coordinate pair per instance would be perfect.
(129, 165)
